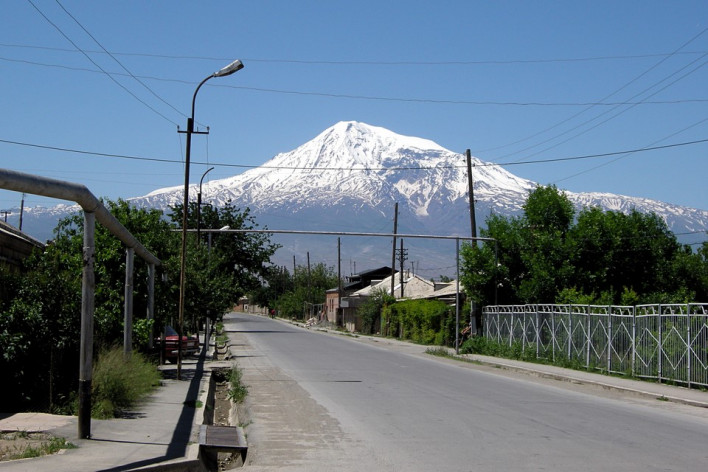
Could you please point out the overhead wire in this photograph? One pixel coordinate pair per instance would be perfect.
(359, 169)
(369, 62)
(98, 66)
(614, 107)
(117, 61)
(376, 98)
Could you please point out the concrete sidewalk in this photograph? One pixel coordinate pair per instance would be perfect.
(647, 389)
(161, 434)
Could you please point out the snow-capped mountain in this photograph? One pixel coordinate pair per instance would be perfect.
(349, 177)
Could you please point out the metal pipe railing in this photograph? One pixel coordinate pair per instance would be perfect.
(93, 210)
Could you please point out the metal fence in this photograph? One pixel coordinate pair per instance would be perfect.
(668, 343)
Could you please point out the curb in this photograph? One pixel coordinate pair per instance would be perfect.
(582, 381)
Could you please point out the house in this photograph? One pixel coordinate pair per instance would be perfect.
(333, 308)
(414, 288)
(15, 246)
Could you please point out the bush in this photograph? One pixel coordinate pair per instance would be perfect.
(421, 321)
(238, 391)
(119, 383)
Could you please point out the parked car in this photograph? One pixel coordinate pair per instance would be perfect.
(170, 344)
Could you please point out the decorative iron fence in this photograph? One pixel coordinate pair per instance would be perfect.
(668, 343)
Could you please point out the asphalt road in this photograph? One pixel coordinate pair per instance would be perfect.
(330, 402)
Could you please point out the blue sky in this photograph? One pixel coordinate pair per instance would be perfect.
(514, 81)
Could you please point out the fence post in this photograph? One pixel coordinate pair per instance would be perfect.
(688, 344)
(609, 338)
(589, 338)
(538, 331)
(634, 340)
(553, 334)
(570, 329)
(660, 351)
(511, 326)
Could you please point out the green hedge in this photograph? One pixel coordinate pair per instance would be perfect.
(421, 321)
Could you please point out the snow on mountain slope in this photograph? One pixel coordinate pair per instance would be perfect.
(349, 177)
(365, 167)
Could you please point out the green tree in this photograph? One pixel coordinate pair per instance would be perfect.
(307, 287)
(224, 265)
(604, 257)
(370, 311)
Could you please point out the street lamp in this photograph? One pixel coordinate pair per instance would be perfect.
(199, 205)
(228, 70)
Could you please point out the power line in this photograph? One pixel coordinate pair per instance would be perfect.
(357, 169)
(633, 80)
(117, 61)
(96, 64)
(379, 98)
(369, 62)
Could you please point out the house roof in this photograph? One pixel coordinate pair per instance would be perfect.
(415, 287)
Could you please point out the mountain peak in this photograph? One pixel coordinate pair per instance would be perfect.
(355, 131)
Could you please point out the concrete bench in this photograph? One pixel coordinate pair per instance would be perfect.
(214, 439)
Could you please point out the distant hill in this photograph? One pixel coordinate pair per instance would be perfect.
(349, 177)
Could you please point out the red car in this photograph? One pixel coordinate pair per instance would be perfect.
(170, 344)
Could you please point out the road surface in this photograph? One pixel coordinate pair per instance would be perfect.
(331, 402)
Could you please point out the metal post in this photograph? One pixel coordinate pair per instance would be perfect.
(457, 296)
(634, 340)
(473, 220)
(199, 205)
(151, 303)
(570, 330)
(589, 338)
(339, 281)
(88, 288)
(660, 351)
(609, 338)
(393, 251)
(128, 304)
(688, 344)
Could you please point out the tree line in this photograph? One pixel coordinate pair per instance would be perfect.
(41, 305)
(553, 254)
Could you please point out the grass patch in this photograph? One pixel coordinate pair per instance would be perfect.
(119, 383)
(439, 352)
(24, 445)
(238, 391)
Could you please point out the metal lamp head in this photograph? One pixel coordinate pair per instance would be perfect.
(235, 66)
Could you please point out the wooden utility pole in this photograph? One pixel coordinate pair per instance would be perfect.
(473, 221)
(393, 250)
(309, 282)
(402, 259)
(339, 280)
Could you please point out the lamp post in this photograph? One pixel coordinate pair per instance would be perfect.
(228, 70)
(199, 205)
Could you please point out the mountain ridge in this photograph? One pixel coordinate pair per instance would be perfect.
(349, 177)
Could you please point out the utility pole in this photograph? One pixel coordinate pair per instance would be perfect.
(339, 281)
(309, 277)
(393, 250)
(402, 258)
(473, 221)
(22, 209)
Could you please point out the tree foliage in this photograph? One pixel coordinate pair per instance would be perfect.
(551, 255)
(41, 306)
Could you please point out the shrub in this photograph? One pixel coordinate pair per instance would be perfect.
(238, 391)
(118, 383)
(421, 321)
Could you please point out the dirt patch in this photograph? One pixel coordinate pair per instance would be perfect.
(222, 403)
(21, 444)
